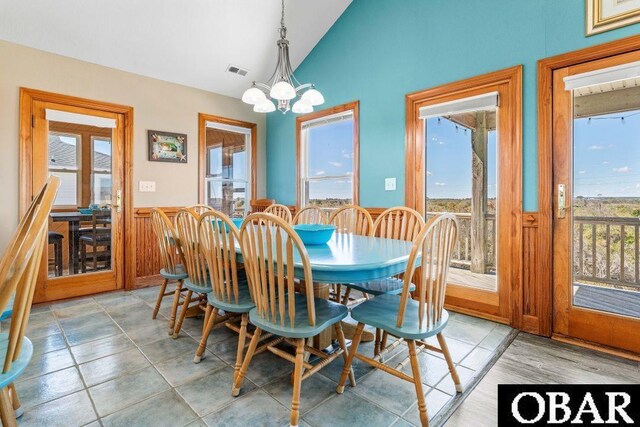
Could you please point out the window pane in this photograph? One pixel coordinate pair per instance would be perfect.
(330, 193)
(102, 189)
(215, 162)
(330, 149)
(102, 155)
(468, 189)
(227, 157)
(63, 151)
(68, 192)
(227, 196)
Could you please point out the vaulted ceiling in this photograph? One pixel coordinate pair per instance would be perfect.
(190, 42)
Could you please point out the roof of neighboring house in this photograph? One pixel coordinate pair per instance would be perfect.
(63, 155)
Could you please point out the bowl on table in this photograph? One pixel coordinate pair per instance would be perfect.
(85, 211)
(315, 234)
(236, 221)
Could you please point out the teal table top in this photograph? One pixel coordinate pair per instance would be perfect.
(349, 258)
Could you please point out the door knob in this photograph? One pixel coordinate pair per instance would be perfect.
(562, 208)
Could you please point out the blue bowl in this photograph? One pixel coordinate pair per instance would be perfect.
(315, 234)
(85, 211)
(236, 221)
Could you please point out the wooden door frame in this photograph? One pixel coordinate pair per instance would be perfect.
(546, 67)
(415, 186)
(202, 152)
(336, 109)
(27, 97)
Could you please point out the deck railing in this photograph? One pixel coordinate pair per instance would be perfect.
(462, 250)
(607, 250)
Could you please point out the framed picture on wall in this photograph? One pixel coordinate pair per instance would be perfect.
(167, 146)
(605, 15)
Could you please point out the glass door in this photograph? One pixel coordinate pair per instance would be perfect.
(83, 148)
(597, 211)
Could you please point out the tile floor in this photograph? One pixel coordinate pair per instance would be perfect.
(104, 361)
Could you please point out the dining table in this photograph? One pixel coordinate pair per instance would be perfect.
(350, 258)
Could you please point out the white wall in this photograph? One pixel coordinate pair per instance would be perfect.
(157, 104)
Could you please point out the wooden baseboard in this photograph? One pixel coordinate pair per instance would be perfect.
(147, 281)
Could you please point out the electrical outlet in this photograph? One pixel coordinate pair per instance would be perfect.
(147, 186)
(389, 184)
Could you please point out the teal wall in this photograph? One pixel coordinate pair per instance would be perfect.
(380, 50)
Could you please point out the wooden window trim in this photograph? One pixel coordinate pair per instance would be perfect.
(350, 106)
(202, 151)
(506, 306)
(546, 67)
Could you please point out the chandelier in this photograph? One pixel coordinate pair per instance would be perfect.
(284, 87)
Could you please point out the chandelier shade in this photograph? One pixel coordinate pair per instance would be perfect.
(282, 86)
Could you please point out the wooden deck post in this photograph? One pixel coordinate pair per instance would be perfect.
(479, 138)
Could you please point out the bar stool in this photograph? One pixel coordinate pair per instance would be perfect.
(55, 239)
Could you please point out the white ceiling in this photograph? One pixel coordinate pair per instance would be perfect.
(190, 42)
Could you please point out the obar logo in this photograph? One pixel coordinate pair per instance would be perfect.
(553, 405)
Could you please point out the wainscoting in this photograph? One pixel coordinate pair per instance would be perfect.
(535, 299)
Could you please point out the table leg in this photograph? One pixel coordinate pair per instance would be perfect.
(71, 246)
(75, 226)
(323, 340)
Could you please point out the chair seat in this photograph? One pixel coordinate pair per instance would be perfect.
(243, 305)
(8, 311)
(382, 312)
(327, 313)
(180, 273)
(389, 285)
(18, 365)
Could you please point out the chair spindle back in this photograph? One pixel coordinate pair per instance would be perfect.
(20, 266)
(352, 219)
(269, 247)
(398, 223)
(218, 238)
(200, 209)
(281, 211)
(310, 215)
(168, 242)
(259, 205)
(187, 225)
(434, 245)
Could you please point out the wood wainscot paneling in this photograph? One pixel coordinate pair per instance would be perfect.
(536, 300)
(146, 258)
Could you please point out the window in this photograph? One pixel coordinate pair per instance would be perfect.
(101, 170)
(328, 156)
(64, 155)
(227, 172)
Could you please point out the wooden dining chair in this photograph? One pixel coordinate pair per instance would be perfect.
(281, 211)
(310, 215)
(413, 320)
(259, 205)
(19, 268)
(271, 249)
(197, 280)
(230, 290)
(352, 219)
(172, 262)
(200, 209)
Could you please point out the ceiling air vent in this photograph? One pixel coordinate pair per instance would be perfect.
(237, 70)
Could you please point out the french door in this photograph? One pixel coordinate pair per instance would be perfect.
(596, 219)
(84, 147)
(464, 157)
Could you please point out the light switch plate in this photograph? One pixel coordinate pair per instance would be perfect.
(389, 184)
(147, 186)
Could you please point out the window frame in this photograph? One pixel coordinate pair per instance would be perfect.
(354, 109)
(77, 171)
(251, 152)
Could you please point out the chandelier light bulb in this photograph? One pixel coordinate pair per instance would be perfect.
(282, 90)
(253, 96)
(313, 97)
(302, 107)
(265, 106)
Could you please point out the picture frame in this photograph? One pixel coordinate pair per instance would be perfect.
(168, 147)
(606, 15)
